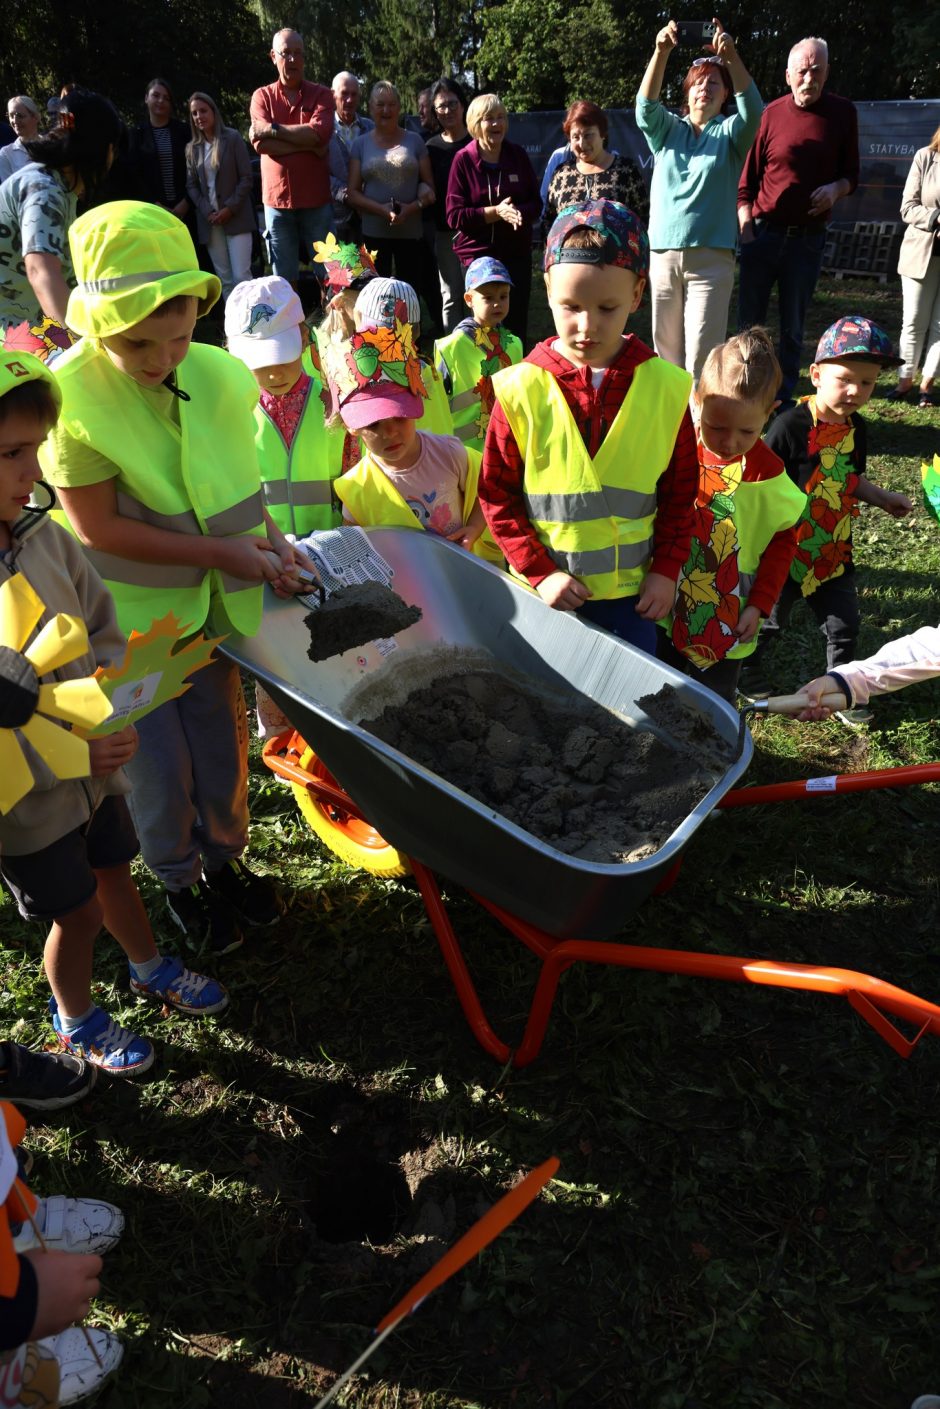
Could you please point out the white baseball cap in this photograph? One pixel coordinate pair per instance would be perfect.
(262, 322)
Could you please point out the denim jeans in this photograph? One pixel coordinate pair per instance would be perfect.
(618, 616)
(792, 263)
(286, 230)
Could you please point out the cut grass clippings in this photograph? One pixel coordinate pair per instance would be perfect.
(746, 1211)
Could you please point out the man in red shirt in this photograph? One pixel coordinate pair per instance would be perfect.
(804, 159)
(291, 126)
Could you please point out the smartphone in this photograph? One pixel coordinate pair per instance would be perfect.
(696, 31)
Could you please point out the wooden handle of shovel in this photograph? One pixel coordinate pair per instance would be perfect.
(795, 704)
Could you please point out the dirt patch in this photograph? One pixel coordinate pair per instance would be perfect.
(355, 615)
(574, 775)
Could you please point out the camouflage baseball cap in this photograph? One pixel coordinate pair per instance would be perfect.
(625, 241)
(857, 338)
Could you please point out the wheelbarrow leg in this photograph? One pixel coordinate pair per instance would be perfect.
(457, 965)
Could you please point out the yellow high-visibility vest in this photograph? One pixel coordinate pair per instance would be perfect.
(297, 483)
(463, 359)
(199, 477)
(595, 516)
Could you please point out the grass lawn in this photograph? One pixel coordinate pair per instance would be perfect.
(746, 1215)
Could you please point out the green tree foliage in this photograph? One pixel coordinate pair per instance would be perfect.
(116, 49)
(413, 42)
(535, 53)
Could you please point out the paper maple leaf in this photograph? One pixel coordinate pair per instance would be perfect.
(151, 672)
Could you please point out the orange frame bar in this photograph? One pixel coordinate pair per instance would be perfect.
(872, 998)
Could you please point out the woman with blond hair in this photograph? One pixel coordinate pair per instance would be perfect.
(919, 268)
(24, 119)
(218, 183)
(493, 202)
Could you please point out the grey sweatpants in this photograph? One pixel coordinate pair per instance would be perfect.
(190, 778)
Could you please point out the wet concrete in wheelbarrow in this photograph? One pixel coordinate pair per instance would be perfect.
(353, 616)
(576, 776)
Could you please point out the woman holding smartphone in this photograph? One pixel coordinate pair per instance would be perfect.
(697, 160)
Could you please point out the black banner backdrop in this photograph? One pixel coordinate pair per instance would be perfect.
(889, 135)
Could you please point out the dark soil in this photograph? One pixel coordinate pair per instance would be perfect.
(355, 615)
(579, 778)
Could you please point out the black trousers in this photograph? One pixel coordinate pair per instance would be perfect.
(834, 604)
(722, 677)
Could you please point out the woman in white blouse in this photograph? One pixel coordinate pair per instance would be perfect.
(218, 183)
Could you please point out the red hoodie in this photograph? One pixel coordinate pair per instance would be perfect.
(503, 471)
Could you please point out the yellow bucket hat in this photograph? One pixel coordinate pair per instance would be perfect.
(130, 257)
(19, 367)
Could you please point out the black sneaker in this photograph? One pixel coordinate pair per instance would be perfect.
(42, 1081)
(252, 897)
(204, 916)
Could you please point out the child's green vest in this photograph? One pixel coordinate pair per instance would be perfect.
(595, 516)
(464, 360)
(200, 477)
(297, 482)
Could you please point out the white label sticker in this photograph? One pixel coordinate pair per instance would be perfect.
(822, 785)
(136, 695)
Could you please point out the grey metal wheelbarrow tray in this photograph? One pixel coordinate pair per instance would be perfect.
(469, 605)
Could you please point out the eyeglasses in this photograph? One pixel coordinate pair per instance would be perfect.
(289, 53)
(446, 107)
(706, 59)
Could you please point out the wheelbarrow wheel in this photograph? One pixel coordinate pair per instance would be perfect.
(350, 838)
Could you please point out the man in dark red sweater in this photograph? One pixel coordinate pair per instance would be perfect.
(804, 159)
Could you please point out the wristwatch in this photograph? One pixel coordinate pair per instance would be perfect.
(275, 126)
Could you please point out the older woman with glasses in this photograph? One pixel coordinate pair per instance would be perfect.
(24, 119)
(493, 202)
(697, 162)
(450, 105)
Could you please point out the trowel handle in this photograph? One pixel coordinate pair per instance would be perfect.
(795, 704)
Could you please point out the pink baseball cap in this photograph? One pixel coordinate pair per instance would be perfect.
(379, 402)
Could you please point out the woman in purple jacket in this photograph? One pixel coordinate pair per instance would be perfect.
(493, 202)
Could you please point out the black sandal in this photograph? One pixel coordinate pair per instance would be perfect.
(928, 399)
(895, 394)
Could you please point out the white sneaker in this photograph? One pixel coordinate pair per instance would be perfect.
(73, 1225)
(79, 1374)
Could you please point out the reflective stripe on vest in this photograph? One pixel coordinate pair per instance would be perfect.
(595, 516)
(200, 477)
(297, 483)
(374, 502)
(463, 360)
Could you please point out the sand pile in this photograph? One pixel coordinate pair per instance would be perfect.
(576, 776)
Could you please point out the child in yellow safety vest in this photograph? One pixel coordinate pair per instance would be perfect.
(66, 836)
(300, 455)
(477, 348)
(746, 511)
(589, 467)
(406, 478)
(155, 462)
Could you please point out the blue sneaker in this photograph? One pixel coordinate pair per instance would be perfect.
(105, 1043)
(182, 990)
